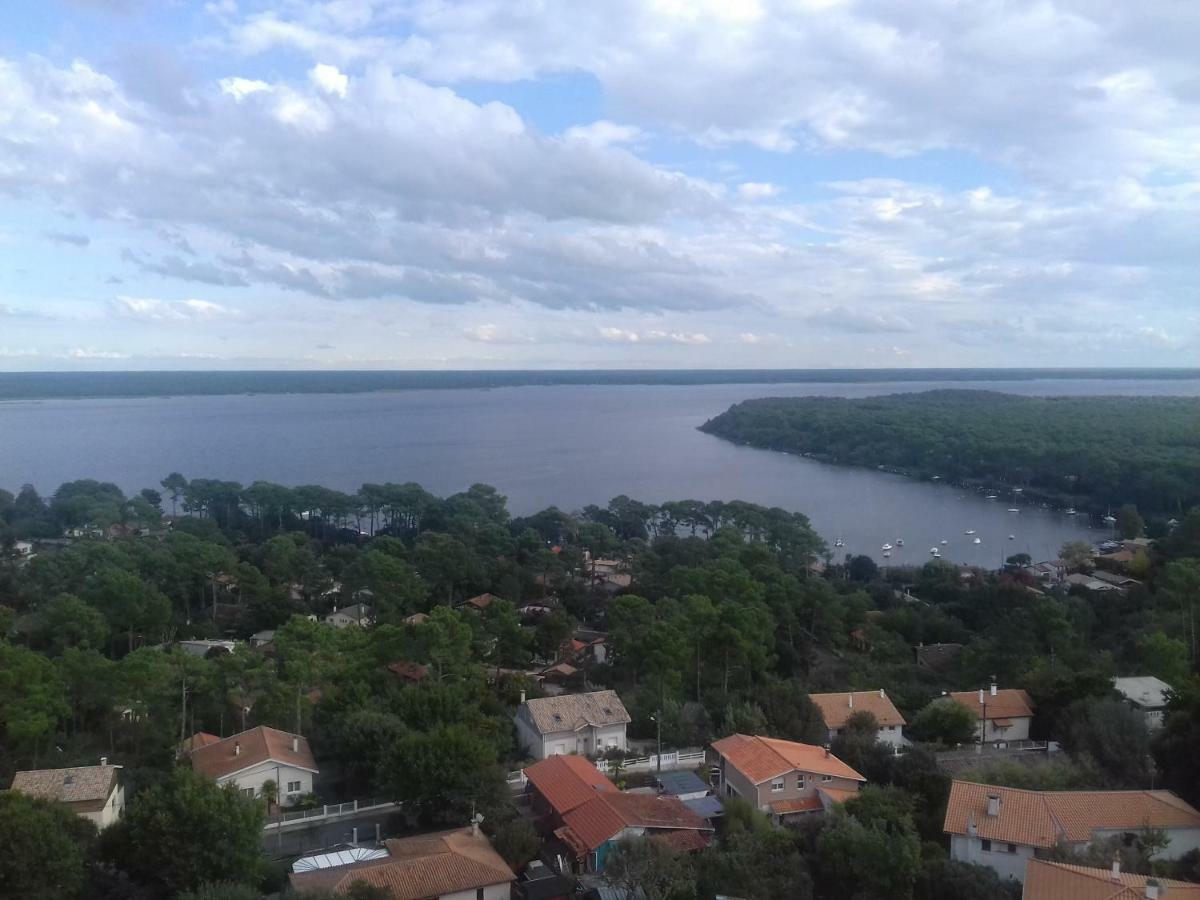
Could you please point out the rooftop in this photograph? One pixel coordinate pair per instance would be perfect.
(1042, 818)
(836, 709)
(1144, 690)
(761, 759)
(1060, 881)
(606, 815)
(426, 865)
(570, 712)
(676, 783)
(83, 784)
(241, 751)
(567, 781)
(1006, 703)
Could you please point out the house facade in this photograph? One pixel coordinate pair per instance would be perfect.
(783, 778)
(1004, 828)
(355, 614)
(836, 710)
(93, 792)
(252, 758)
(1146, 694)
(587, 724)
(1000, 714)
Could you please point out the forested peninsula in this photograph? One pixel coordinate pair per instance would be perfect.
(1093, 453)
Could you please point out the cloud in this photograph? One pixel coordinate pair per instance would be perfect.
(857, 321)
(241, 88)
(154, 310)
(653, 336)
(172, 266)
(93, 353)
(603, 133)
(329, 80)
(757, 190)
(68, 237)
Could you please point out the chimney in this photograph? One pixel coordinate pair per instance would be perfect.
(1153, 890)
(104, 760)
(1116, 867)
(237, 748)
(522, 696)
(851, 696)
(881, 693)
(993, 685)
(295, 744)
(826, 751)
(981, 696)
(993, 805)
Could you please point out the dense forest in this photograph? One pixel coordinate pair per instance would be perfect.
(724, 620)
(1092, 453)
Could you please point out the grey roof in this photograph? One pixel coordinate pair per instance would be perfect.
(79, 785)
(1145, 691)
(707, 807)
(676, 783)
(569, 712)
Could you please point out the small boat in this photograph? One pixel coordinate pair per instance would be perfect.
(1018, 490)
(977, 541)
(839, 543)
(1012, 537)
(1071, 511)
(1013, 509)
(969, 531)
(934, 551)
(887, 553)
(990, 497)
(886, 547)
(899, 542)
(944, 543)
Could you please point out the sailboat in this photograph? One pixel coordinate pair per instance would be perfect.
(934, 551)
(977, 541)
(1013, 509)
(1071, 511)
(969, 531)
(886, 547)
(899, 542)
(839, 543)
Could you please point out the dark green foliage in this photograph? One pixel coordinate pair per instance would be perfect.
(442, 772)
(945, 722)
(1099, 451)
(223, 891)
(949, 879)
(1177, 745)
(45, 849)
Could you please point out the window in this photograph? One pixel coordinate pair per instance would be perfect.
(1012, 848)
(777, 784)
(800, 782)
(249, 792)
(825, 779)
(985, 845)
(478, 893)
(293, 787)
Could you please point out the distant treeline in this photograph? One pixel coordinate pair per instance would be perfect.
(1094, 453)
(71, 385)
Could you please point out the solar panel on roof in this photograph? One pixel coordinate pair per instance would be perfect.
(338, 858)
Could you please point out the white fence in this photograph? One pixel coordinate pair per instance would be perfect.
(674, 759)
(329, 811)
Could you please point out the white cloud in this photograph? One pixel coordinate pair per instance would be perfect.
(93, 353)
(757, 190)
(241, 88)
(329, 80)
(153, 310)
(603, 133)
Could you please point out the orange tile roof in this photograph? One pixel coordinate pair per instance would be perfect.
(426, 865)
(1060, 881)
(761, 759)
(836, 795)
(607, 815)
(567, 781)
(1042, 818)
(1006, 704)
(483, 601)
(241, 751)
(836, 709)
(683, 841)
(799, 805)
(197, 740)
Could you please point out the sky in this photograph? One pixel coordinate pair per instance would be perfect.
(493, 184)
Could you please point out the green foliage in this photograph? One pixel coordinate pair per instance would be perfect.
(517, 841)
(950, 879)
(1177, 745)
(945, 722)
(874, 858)
(31, 696)
(188, 832)
(1060, 775)
(1095, 450)
(45, 849)
(225, 890)
(642, 867)
(440, 773)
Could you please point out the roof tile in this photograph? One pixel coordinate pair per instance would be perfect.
(761, 759)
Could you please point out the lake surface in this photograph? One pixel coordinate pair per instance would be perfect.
(540, 445)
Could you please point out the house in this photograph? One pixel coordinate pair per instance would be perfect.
(416, 619)
(259, 638)
(783, 778)
(1045, 880)
(254, 757)
(1049, 572)
(587, 647)
(587, 813)
(93, 792)
(684, 785)
(1003, 828)
(1088, 582)
(478, 604)
(23, 549)
(572, 723)
(1120, 582)
(355, 614)
(836, 710)
(1145, 693)
(459, 864)
(409, 672)
(938, 657)
(1007, 713)
(207, 648)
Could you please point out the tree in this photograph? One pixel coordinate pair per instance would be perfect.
(1077, 555)
(650, 869)
(440, 773)
(129, 603)
(517, 841)
(446, 640)
(872, 852)
(66, 621)
(176, 486)
(1114, 736)
(1177, 744)
(222, 890)
(945, 722)
(950, 879)
(45, 849)
(1129, 523)
(32, 697)
(862, 569)
(188, 832)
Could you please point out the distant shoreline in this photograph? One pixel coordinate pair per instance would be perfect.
(16, 386)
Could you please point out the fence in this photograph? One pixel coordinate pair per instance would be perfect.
(674, 759)
(328, 811)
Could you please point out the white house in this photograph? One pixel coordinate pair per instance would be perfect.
(836, 710)
(1003, 828)
(587, 724)
(460, 864)
(1007, 713)
(355, 614)
(254, 757)
(93, 792)
(1146, 694)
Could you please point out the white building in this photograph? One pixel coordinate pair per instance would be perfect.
(355, 614)
(252, 758)
(1007, 713)
(1003, 828)
(587, 724)
(93, 792)
(836, 710)
(1146, 694)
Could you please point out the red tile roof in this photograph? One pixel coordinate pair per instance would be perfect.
(483, 601)
(1006, 704)
(241, 751)
(683, 841)
(1042, 818)
(607, 815)
(798, 805)
(760, 759)
(567, 781)
(1060, 881)
(409, 671)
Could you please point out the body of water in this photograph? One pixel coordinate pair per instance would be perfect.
(565, 445)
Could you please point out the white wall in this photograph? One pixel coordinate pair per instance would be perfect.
(998, 859)
(586, 741)
(1017, 731)
(1181, 840)
(112, 811)
(256, 776)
